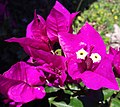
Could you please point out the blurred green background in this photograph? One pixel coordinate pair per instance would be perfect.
(102, 15)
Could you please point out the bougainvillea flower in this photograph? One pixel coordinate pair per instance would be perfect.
(21, 83)
(115, 57)
(54, 66)
(87, 58)
(59, 20)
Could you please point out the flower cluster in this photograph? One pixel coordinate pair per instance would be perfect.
(84, 58)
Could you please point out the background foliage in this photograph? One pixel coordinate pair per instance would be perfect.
(102, 14)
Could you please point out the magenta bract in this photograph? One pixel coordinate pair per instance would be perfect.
(28, 43)
(102, 76)
(37, 29)
(21, 83)
(59, 20)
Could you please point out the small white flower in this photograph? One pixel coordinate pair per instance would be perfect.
(95, 57)
(81, 54)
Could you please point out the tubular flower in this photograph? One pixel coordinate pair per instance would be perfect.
(21, 83)
(87, 58)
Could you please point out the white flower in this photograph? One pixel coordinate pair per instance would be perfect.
(81, 54)
(95, 57)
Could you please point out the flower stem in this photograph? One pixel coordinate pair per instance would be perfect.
(78, 7)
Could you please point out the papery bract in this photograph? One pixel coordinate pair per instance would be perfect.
(59, 20)
(87, 58)
(21, 83)
(37, 29)
(28, 43)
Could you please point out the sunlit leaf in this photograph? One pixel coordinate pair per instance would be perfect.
(51, 89)
(118, 80)
(73, 87)
(61, 104)
(51, 99)
(74, 102)
(118, 95)
(107, 93)
(115, 102)
(68, 92)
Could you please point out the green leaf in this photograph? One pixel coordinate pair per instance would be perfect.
(51, 99)
(82, 85)
(73, 87)
(118, 80)
(68, 92)
(115, 102)
(51, 89)
(118, 95)
(60, 104)
(74, 102)
(107, 93)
